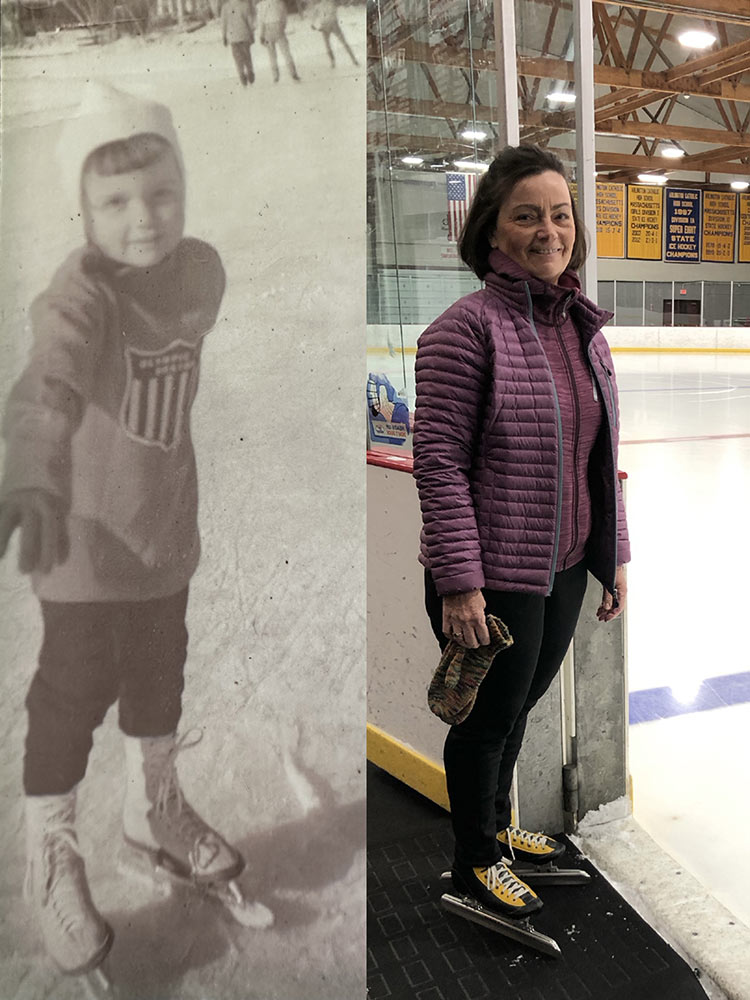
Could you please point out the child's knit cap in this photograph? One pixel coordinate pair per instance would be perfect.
(107, 115)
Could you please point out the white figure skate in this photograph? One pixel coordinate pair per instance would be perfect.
(75, 934)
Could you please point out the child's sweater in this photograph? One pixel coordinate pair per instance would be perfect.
(101, 418)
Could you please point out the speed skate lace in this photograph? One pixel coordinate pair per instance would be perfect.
(525, 840)
(499, 876)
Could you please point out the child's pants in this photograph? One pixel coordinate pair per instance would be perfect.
(481, 752)
(243, 61)
(92, 655)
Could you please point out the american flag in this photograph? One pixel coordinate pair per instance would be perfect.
(461, 188)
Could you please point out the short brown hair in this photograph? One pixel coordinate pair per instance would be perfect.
(510, 166)
(126, 155)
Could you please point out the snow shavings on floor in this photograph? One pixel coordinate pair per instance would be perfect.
(674, 903)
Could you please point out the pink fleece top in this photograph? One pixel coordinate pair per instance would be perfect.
(580, 405)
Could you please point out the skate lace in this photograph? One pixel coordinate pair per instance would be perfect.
(168, 791)
(499, 876)
(61, 865)
(527, 840)
(171, 805)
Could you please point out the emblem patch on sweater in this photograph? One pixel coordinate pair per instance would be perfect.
(158, 393)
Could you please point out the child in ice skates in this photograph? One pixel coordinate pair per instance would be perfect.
(100, 479)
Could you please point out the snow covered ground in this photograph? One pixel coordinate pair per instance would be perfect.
(275, 674)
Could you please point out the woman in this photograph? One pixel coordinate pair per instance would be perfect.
(515, 457)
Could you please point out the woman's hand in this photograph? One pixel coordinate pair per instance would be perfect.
(607, 609)
(463, 619)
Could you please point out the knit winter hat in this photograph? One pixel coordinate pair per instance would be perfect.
(106, 115)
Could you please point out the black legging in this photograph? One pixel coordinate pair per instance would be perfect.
(480, 753)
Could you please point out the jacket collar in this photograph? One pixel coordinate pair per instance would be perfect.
(511, 281)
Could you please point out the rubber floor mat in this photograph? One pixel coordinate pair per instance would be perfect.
(418, 951)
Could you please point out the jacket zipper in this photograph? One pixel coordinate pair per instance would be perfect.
(612, 406)
(576, 432)
(558, 512)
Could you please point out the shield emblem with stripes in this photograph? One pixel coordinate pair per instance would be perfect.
(158, 393)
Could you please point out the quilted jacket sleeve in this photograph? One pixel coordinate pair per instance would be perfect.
(623, 540)
(451, 377)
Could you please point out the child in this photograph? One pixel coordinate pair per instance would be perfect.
(325, 20)
(100, 479)
(271, 15)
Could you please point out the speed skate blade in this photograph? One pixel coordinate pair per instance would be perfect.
(550, 875)
(517, 930)
(546, 874)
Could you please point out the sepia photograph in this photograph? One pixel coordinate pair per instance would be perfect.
(182, 597)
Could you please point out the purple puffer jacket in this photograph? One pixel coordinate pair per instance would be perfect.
(487, 457)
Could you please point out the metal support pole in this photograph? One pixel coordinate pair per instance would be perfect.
(583, 31)
(507, 73)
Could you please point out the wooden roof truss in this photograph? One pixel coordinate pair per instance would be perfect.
(650, 91)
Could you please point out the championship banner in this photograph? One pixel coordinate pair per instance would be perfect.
(717, 241)
(610, 219)
(743, 230)
(683, 226)
(644, 221)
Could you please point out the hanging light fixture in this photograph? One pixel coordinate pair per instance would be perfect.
(561, 97)
(471, 165)
(695, 39)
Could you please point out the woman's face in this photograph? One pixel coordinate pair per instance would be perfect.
(535, 225)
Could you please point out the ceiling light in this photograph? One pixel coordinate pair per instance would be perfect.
(471, 134)
(740, 185)
(413, 161)
(672, 152)
(696, 39)
(561, 96)
(471, 165)
(652, 178)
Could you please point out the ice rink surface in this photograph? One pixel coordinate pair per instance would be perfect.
(275, 673)
(686, 449)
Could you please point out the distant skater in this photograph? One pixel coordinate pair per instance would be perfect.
(238, 31)
(271, 20)
(325, 20)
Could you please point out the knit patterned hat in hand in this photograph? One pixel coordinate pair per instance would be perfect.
(106, 115)
(453, 689)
